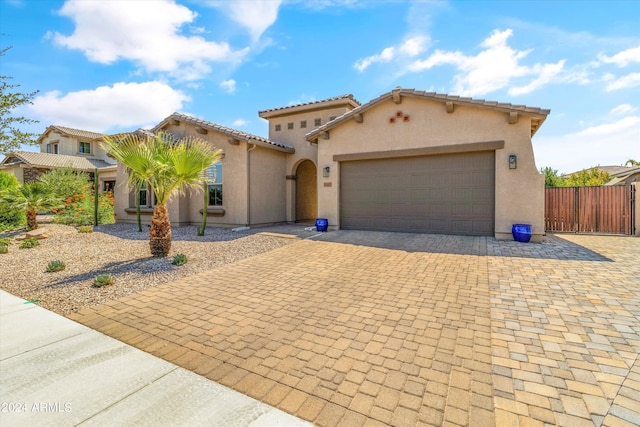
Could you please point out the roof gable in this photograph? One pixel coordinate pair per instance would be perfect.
(53, 161)
(76, 133)
(232, 133)
(538, 114)
(336, 101)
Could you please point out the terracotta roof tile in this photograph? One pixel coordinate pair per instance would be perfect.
(78, 133)
(335, 98)
(238, 134)
(49, 161)
(507, 107)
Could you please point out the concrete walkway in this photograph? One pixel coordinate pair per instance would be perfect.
(54, 371)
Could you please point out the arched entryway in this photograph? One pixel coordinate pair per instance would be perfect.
(306, 192)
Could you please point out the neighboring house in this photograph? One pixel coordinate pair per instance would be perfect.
(63, 147)
(623, 175)
(408, 160)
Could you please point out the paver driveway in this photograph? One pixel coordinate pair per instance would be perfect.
(361, 328)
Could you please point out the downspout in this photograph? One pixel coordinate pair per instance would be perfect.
(249, 150)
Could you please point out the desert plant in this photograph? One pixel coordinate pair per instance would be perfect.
(10, 219)
(56, 266)
(179, 259)
(103, 280)
(30, 198)
(167, 165)
(85, 229)
(4, 249)
(31, 242)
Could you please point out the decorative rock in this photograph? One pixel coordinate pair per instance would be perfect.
(38, 233)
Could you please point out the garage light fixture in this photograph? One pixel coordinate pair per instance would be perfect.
(513, 161)
(325, 171)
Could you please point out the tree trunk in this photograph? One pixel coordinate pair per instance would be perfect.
(160, 233)
(31, 220)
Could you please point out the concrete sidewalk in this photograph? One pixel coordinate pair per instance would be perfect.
(54, 371)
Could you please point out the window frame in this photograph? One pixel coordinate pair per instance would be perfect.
(82, 144)
(214, 177)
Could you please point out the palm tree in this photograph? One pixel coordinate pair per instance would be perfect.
(632, 162)
(167, 165)
(30, 198)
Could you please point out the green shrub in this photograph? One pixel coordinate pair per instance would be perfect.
(4, 249)
(179, 259)
(5, 241)
(56, 266)
(103, 280)
(31, 242)
(76, 191)
(85, 229)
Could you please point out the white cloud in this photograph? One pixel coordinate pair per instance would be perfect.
(255, 16)
(622, 109)
(604, 144)
(495, 67)
(546, 74)
(624, 82)
(624, 58)
(240, 123)
(229, 86)
(145, 32)
(408, 49)
(123, 105)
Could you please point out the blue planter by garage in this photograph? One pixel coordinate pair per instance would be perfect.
(521, 232)
(322, 224)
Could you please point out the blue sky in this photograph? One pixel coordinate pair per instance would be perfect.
(112, 66)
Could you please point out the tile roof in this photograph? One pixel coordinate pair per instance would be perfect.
(234, 133)
(49, 161)
(346, 96)
(78, 133)
(539, 113)
(614, 171)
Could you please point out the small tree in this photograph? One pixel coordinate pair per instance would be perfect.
(588, 178)
(11, 137)
(632, 162)
(9, 219)
(30, 198)
(169, 166)
(551, 177)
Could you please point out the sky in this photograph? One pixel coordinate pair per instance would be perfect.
(115, 66)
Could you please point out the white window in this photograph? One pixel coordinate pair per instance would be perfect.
(85, 148)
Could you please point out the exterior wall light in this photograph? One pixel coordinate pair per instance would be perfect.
(513, 161)
(325, 171)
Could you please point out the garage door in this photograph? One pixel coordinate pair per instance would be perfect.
(445, 194)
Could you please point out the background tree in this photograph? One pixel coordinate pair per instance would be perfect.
(168, 166)
(30, 198)
(551, 178)
(10, 135)
(588, 178)
(632, 162)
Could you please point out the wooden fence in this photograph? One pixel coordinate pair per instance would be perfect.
(607, 209)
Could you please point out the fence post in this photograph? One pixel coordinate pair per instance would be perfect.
(635, 206)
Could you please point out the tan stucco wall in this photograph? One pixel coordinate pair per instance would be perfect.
(267, 186)
(519, 196)
(16, 171)
(69, 146)
(268, 171)
(296, 138)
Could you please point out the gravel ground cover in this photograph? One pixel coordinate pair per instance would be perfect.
(121, 250)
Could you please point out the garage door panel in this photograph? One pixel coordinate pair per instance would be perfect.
(451, 194)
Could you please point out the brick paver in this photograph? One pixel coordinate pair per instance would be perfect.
(396, 329)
